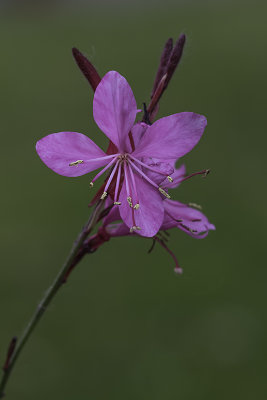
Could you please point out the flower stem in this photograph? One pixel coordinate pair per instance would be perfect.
(71, 261)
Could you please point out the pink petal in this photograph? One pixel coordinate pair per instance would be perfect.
(194, 222)
(172, 137)
(119, 229)
(138, 131)
(149, 216)
(164, 167)
(60, 149)
(114, 213)
(114, 109)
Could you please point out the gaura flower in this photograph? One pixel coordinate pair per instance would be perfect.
(139, 196)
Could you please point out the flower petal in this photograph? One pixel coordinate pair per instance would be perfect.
(138, 131)
(164, 169)
(119, 229)
(172, 137)
(149, 216)
(114, 109)
(60, 149)
(193, 221)
(114, 213)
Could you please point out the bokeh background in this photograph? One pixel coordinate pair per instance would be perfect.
(125, 326)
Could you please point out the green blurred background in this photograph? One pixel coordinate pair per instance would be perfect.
(125, 326)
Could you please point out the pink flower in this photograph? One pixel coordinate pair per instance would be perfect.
(130, 183)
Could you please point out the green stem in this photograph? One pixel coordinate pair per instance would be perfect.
(49, 295)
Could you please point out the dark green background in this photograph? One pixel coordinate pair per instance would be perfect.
(125, 326)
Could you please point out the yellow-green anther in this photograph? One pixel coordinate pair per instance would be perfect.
(162, 191)
(75, 163)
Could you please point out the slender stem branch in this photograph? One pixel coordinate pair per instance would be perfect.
(49, 295)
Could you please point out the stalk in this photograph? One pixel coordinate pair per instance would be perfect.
(72, 260)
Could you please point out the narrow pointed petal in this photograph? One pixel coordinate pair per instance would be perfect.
(172, 137)
(193, 221)
(114, 109)
(58, 150)
(149, 216)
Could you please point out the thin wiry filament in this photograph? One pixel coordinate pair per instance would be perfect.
(117, 185)
(104, 170)
(142, 173)
(102, 158)
(148, 166)
(111, 176)
(129, 197)
(136, 206)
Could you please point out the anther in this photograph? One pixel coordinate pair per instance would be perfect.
(162, 191)
(75, 163)
(136, 206)
(169, 178)
(188, 229)
(117, 203)
(104, 195)
(91, 184)
(197, 206)
(129, 199)
(135, 228)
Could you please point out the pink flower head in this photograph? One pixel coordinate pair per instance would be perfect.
(133, 180)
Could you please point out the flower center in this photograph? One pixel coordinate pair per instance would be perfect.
(126, 166)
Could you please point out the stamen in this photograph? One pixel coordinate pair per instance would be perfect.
(103, 158)
(194, 205)
(117, 203)
(117, 186)
(91, 184)
(149, 167)
(162, 191)
(111, 176)
(103, 170)
(135, 228)
(137, 205)
(129, 198)
(76, 163)
(104, 195)
(188, 229)
(129, 195)
(142, 173)
(169, 178)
